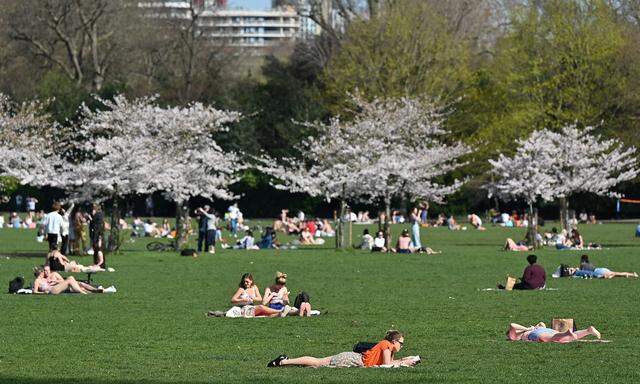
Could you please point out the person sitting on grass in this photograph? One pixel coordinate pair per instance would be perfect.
(248, 294)
(379, 243)
(367, 240)
(533, 277)
(511, 245)
(576, 240)
(382, 353)
(452, 224)
(52, 283)
(247, 242)
(476, 222)
(276, 296)
(542, 334)
(404, 243)
(306, 237)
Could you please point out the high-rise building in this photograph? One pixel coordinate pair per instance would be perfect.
(233, 27)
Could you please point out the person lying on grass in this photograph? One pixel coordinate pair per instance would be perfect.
(248, 294)
(52, 283)
(59, 262)
(511, 245)
(597, 273)
(542, 334)
(382, 353)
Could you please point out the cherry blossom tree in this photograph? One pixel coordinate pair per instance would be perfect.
(584, 162)
(26, 136)
(389, 148)
(552, 165)
(139, 147)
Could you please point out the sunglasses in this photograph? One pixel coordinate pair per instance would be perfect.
(400, 342)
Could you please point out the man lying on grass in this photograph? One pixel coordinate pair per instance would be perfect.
(382, 354)
(542, 334)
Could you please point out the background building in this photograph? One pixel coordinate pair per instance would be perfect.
(238, 27)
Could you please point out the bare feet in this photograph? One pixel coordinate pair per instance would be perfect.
(592, 330)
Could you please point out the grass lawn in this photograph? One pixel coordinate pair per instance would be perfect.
(153, 330)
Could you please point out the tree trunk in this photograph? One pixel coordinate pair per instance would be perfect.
(340, 234)
(532, 229)
(114, 233)
(387, 228)
(183, 224)
(564, 213)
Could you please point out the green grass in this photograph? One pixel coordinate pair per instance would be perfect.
(154, 329)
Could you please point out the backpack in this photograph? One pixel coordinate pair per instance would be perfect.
(303, 297)
(189, 252)
(16, 284)
(363, 346)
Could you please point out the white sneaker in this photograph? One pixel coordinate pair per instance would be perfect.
(110, 269)
(111, 289)
(285, 311)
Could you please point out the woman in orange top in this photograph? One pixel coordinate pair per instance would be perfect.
(382, 354)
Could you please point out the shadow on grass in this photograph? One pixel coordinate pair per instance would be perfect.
(26, 255)
(30, 380)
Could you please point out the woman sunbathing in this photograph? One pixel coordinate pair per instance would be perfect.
(542, 334)
(511, 245)
(382, 353)
(59, 262)
(52, 283)
(404, 243)
(598, 273)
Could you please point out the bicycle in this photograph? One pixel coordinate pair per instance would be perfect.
(159, 246)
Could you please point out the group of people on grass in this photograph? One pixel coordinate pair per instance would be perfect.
(52, 283)
(535, 277)
(248, 302)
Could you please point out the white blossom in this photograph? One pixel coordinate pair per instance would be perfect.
(27, 149)
(390, 147)
(549, 165)
(140, 147)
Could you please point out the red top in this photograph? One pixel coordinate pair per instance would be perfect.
(534, 277)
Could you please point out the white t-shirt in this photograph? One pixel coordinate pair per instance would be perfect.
(53, 223)
(378, 242)
(233, 212)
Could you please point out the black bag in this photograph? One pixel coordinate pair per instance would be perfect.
(188, 252)
(564, 270)
(303, 297)
(16, 284)
(363, 346)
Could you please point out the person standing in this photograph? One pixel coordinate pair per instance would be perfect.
(202, 227)
(233, 218)
(415, 228)
(31, 204)
(212, 222)
(148, 202)
(96, 234)
(65, 229)
(53, 225)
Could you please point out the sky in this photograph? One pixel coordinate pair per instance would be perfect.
(250, 4)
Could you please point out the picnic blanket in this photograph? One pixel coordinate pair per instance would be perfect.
(236, 312)
(496, 289)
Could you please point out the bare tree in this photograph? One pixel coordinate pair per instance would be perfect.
(79, 37)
